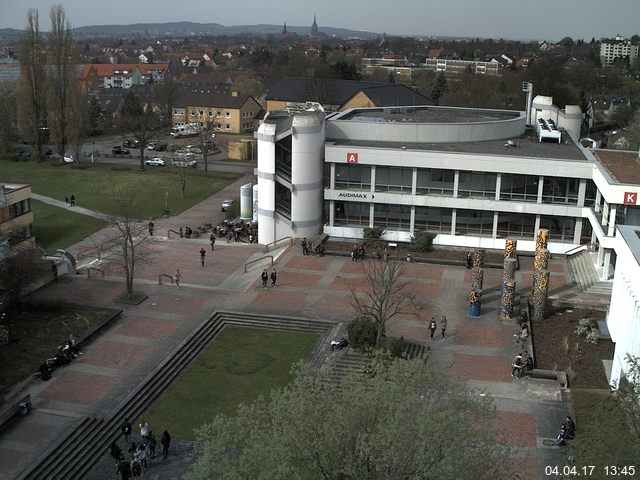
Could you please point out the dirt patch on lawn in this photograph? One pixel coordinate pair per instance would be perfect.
(557, 347)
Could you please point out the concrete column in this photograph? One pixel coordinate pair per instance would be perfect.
(577, 231)
(612, 221)
(453, 221)
(582, 190)
(506, 303)
(373, 178)
(540, 187)
(606, 266)
(456, 182)
(605, 214)
(498, 186)
(540, 293)
(412, 223)
(600, 256)
(596, 207)
(332, 179)
(332, 212)
(494, 233)
(414, 184)
(371, 215)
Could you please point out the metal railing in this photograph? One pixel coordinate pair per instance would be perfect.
(275, 242)
(177, 233)
(257, 260)
(577, 249)
(96, 269)
(170, 277)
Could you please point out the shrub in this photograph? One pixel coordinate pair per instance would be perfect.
(362, 333)
(584, 326)
(592, 337)
(422, 242)
(371, 237)
(394, 346)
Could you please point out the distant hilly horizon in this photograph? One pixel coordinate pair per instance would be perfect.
(185, 29)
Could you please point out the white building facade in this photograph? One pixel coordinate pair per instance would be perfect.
(617, 48)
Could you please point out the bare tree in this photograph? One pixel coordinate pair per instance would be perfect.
(165, 94)
(130, 245)
(32, 85)
(22, 269)
(137, 121)
(8, 106)
(62, 78)
(205, 142)
(78, 122)
(387, 294)
(320, 89)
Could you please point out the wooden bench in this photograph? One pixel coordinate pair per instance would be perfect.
(20, 407)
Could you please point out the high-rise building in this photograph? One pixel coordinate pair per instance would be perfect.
(620, 48)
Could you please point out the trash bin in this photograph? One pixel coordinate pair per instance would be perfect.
(24, 409)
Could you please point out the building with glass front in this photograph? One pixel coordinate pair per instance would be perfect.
(473, 177)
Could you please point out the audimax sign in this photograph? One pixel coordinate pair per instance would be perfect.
(360, 195)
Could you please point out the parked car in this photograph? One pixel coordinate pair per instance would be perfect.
(155, 162)
(67, 158)
(226, 205)
(184, 163)
(157, 146)
(130, 143)
(118, 150)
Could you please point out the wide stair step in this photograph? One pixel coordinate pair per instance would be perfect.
(76, 453)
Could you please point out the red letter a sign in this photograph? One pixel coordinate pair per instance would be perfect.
(352, 157)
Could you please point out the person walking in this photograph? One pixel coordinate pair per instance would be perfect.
(180, 232)
(165, 441)
(115, 452)
(144, 431)
(152, 445)
(203, 255)
(303, 244)
(124, 469)
(66, 200)
(432, 326)
(469, 260)
(176, 278)
(151, 227)
(443, 325)
(126, 431)
(72, 200)
(274, 277)
(212, 241)
(264, 276)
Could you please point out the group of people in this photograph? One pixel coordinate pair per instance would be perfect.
(433, 326)
(186, 232)
(264, 276)
(567, 431)
(310, 248)
(357, 252)
(521, 363)
(139, 456)
(70, 200)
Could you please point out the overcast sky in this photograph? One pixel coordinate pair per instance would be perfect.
(510, 19)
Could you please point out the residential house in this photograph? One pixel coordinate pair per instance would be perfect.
(295, 93)
(106, 75)
(16, 218)
(601, 108)
(229, 113)
(455, 66)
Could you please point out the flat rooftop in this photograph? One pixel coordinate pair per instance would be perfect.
(623, 166)
(428, 114)
(526, 145)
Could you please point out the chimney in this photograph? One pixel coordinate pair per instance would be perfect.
(234, 94)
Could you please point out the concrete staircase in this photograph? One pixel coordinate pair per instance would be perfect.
(73, 456)
(590, 291)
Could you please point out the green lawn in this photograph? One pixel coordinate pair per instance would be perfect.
(237, 367)
(56, 227)
(602, 433)
(96, 185)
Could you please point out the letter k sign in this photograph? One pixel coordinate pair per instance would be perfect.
(630, 198)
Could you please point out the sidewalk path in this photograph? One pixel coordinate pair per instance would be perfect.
(76, 209)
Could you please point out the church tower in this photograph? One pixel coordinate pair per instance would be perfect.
(314, 27)
(284, 30)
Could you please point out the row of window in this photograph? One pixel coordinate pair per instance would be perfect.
(470, 184)
(437, 219)
(20, 235)
(15, 210)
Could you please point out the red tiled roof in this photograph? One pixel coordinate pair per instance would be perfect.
(123, 69)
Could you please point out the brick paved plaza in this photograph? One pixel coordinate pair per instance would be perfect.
(478, 350)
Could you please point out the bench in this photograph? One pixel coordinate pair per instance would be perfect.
(17, 407)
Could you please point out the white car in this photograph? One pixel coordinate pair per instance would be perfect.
(155, 162)
(67, 158)
(226, 205)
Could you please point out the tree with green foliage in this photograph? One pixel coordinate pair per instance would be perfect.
(439, 88)
(386, 295)
(403, 420)
(628, 394)
(62, 79)
(632, 133)
(32, 86)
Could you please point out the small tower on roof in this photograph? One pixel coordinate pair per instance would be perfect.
(284, 30)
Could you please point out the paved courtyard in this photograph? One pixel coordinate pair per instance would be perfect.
(476, 349)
